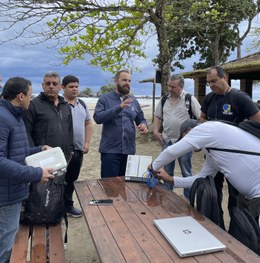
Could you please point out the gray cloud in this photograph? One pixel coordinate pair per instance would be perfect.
(32, 61)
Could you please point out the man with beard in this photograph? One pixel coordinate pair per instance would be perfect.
(118, 111)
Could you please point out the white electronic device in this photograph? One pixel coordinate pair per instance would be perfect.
(52, 158)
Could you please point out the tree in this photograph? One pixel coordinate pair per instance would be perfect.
(86, 93)
(256, 41)
(218, 33)
(105, 89)
(115, 33)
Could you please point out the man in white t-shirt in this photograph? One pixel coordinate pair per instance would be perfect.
(241, 169)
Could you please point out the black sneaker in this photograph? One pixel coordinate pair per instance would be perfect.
(74, 212)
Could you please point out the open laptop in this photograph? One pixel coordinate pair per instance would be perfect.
(52, 158)
(187, 236)
(136, 167)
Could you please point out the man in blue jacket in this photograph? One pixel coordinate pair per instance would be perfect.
(118, 111)
(15, 176)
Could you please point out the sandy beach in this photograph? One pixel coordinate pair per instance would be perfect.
(80, 248)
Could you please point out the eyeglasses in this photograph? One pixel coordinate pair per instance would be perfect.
(48, 83)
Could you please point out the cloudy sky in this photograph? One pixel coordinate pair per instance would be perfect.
(33, 61)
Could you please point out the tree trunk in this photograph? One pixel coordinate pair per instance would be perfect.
(164, 57)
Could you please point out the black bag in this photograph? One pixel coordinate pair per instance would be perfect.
(187, 103)
(250, 126)
(204, 197)
(244, 228)
(45, 203)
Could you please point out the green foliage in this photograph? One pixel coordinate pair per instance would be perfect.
(256, 42)
(105, 89)
(113, 34)
(209, 28)
(86, 93)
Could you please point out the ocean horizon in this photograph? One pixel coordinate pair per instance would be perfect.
(146, 99)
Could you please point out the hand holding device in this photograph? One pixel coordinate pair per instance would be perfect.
(151, 180)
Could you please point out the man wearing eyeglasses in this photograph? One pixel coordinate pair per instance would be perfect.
(14, 147)
(48, 119)
(170, 116)
(229, 104)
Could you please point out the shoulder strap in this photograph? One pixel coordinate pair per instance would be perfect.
(163, 100)
(208, 99)
(188, 105)
(82, 103)
(196, 190)
(233, 100)
(233, 151)
(203, 194)
(216, 215)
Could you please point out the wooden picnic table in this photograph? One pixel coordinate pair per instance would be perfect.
(125, 232)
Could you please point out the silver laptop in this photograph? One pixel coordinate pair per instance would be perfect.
(187, 236)
(136, 167)
(53, 158)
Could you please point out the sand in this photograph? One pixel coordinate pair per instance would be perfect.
(80, 247)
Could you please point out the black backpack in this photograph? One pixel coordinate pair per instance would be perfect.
(203, 196)
(244, 228)
(82, 103)
(233, 101)
(250, 126)
(187, 103)
(45, 203)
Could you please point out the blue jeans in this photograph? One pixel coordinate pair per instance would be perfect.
(185, 165)
(9, 224)
(113, 164)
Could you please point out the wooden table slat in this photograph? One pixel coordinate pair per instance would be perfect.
(19, 251)
(101, 235)
(38, 247)
(56, 246)
(129, 232)
(233, 244)
(124, 231)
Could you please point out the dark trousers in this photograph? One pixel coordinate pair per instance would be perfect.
(232, 192)
(72, 174)
(113, 164)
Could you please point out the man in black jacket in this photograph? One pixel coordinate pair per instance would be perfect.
(49, 119)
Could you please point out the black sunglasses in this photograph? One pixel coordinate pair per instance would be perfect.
(48, 83)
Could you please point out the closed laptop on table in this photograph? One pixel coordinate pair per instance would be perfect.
(187, 236)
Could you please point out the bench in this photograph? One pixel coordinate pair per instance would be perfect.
(31, 243)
